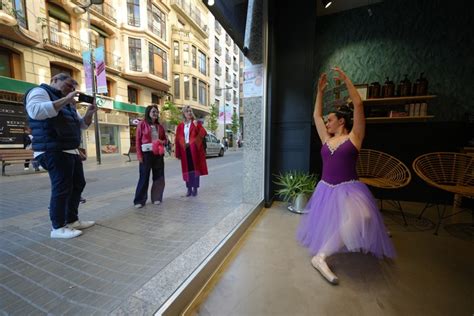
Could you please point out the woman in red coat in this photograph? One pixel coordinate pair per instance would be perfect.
(189, 144)
(150, 137)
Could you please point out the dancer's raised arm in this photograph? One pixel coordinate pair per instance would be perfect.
(318, 108)
(358, 129)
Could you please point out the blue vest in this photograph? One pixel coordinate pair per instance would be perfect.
(58, 133)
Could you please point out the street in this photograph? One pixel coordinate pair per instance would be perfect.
(99, 271)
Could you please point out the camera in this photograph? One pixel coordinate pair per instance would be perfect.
(86, 98)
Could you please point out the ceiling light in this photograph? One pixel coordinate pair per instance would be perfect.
(326, 3)
(210, 3)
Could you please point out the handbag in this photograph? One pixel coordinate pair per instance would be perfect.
(158, 148)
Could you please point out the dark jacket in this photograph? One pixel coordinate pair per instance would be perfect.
(58, 133)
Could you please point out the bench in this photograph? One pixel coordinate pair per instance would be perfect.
(131, 150)
(14, 156)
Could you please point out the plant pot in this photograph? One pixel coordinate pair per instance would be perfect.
(299, 204)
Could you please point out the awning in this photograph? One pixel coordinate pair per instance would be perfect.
(99, 30)
(58, 13)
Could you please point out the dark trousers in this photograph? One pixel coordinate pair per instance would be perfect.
(193, 177)
(155, 164)
(67, 183)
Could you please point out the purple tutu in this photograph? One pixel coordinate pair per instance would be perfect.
(344, 218)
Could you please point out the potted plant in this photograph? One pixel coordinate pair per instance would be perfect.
(295, 188)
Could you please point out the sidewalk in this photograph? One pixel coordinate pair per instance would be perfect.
(132, 260)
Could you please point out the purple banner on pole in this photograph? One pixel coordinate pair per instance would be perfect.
(100, 70)
(86, 60)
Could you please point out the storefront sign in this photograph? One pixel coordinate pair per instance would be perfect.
(253, 81)
(12, 122)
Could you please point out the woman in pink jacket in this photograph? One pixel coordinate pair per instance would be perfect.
(150, 141)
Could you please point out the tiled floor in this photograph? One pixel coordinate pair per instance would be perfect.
(268, 273)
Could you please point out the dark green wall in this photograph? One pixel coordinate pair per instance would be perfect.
(406, 37)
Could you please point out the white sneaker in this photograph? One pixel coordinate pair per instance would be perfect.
(26, 168)
(81, 224)
(65, 232)
(138, 205)
(157, 202)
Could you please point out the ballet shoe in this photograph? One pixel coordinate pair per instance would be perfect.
(319, 263)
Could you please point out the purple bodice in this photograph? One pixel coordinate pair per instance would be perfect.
(339, 165)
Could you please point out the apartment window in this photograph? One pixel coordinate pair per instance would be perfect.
(59, 23)
(156, 21)
(193, 56)
(135, 53)
(186, 54)
(155, 99)
(194, 89)
(218, 90)
(10, 64)
(132, 95)
(20, 12)
(202, 93)
(133, 12)
(186, 87)
(100, 39)
(158, 61)
(176, 86)
(57, 69)
(202, 63)
(176, 52)
(110, 88)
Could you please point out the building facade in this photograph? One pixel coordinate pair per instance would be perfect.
(155, 51)
(226, 71)
(43, 38)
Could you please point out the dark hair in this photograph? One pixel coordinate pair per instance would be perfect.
(345, 112)
(61, 77)
(147, 113)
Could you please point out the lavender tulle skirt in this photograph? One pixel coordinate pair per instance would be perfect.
(344, 218)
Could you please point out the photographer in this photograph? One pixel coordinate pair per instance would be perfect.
(56, 129)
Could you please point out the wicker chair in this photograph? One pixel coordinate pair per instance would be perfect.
(448, 171)
(381, 170)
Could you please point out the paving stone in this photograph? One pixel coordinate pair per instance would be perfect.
(114, 259)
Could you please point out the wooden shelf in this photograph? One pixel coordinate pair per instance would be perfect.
(397, 100)
(404, 119)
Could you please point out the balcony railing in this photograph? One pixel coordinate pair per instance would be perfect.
(236, 49)
(235, 84)
(218, 50)
(218, 92)
(228, 78)
(228, 60)
(235, 66)
(134, 21)
(218, 70)
(137, 67)
(113, 61)
(192, 11)
(236, 100)
(8, 7)
(218, 27)
(228, 96)
(65, 41)
(106, 10)
(228, 40)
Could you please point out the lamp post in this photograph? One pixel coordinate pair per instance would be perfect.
(94, 88)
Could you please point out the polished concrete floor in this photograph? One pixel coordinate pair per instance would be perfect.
(269, 273)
